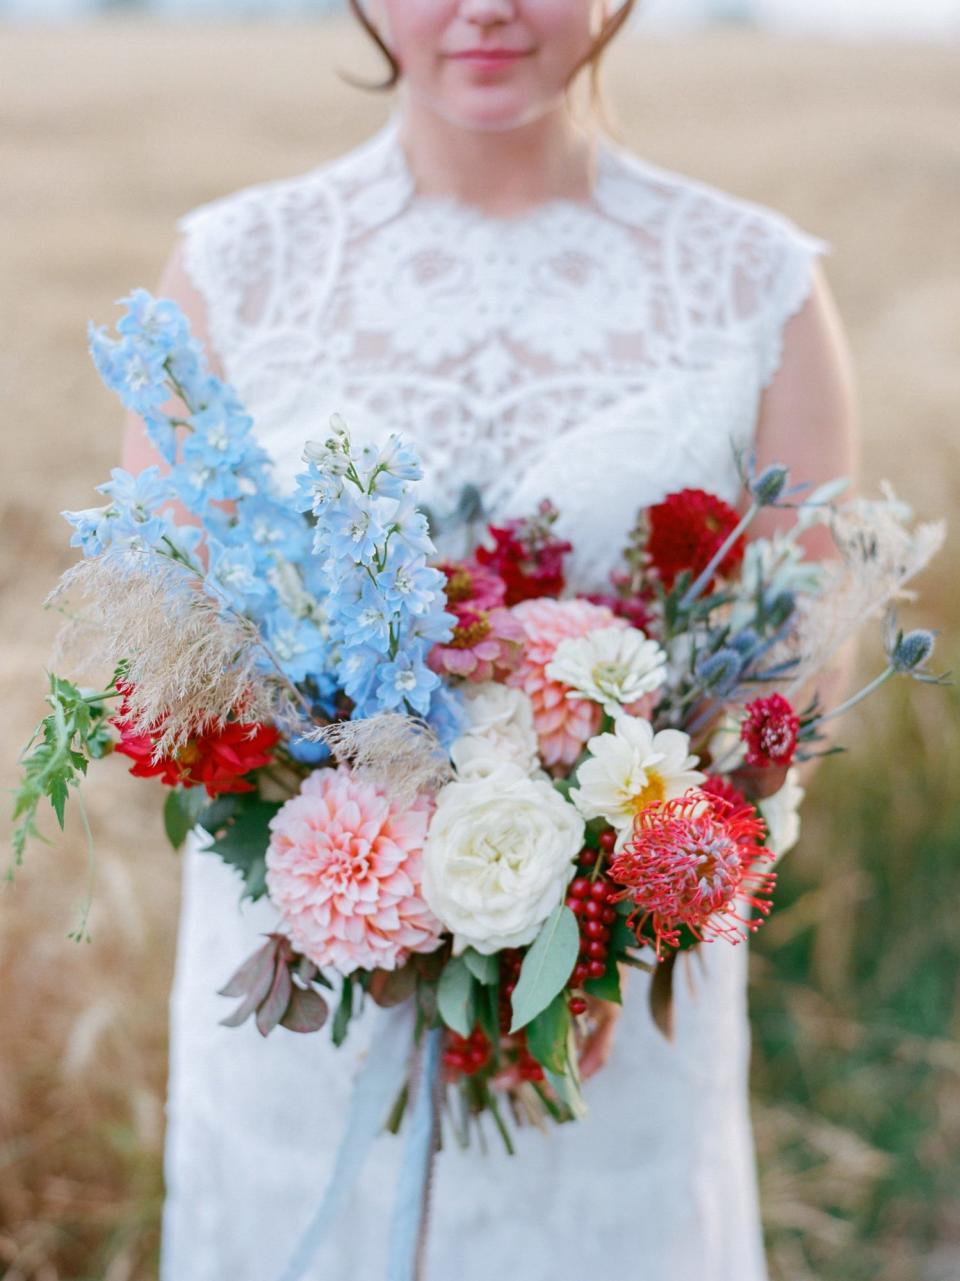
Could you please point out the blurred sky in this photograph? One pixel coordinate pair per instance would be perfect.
(842, 18)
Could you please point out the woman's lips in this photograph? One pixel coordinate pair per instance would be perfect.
(489, 58)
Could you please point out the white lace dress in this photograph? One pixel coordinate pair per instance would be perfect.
(601, 353)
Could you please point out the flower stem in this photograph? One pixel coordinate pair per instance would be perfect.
(699, 584)
(855, 698)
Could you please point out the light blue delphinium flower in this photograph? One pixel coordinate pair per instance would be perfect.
(406, 681)
(159, 320)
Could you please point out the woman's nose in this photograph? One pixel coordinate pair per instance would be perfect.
(487, 13)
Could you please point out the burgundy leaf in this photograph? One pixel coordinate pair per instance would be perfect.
(307, 1011)
(251, 973)
(278, 998)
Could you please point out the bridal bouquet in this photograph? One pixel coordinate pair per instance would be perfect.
(462, 789)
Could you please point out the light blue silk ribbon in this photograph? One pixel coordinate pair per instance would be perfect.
(379, 1082)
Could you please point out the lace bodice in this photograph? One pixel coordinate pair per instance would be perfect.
(523, 354)
(599, 352)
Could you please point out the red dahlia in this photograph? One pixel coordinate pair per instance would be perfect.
(686, 529)
(217, 759)
(690, 862)
(527, 555)
(770, 731)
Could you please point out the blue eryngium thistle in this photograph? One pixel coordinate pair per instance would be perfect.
(911, 651)
(907, 655)
(766, 488)
(720, 672)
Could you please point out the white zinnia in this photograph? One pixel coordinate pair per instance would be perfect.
(498, 729)
(781, 814)
(499, 855)
(612, 666)
(630, 769)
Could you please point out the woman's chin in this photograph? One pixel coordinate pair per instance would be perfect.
(491, 109)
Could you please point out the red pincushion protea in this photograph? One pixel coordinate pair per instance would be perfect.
(770, 731)
(527, 555)
(686, 529)
(690, 862)
(217, 759)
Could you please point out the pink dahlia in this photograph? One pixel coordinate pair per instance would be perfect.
(343, 868)
(486, 639)
(563, 724)
(690, 865)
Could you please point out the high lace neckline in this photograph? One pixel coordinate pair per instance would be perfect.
(387, 147)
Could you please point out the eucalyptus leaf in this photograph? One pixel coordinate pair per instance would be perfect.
(274, 1007)
(456, 996)
(547, 966)
(485, 969)
(547, 1034)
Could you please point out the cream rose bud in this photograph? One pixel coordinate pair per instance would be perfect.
(499, 855)
(781, 814)
(498, 729)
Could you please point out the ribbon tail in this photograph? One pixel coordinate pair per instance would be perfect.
(411, 1209)
(377, 1085)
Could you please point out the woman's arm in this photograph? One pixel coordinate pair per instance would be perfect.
(138, 451)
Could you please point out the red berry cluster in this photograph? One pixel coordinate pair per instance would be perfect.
(466, 1054)
(589, 901)
(525, 1064)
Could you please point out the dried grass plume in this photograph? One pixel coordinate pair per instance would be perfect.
(398, 753)
(190, 663)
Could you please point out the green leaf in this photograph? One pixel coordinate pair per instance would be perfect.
(547, 966)
(456, 996)
(341, 1020)
(181, 810)
(547, 1034)
(607, 987)
(485, 969)
(240, 827)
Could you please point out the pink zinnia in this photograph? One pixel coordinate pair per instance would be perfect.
(691, 864)
(486, 639)
(770, 731)
(563, 724)
(344, 868)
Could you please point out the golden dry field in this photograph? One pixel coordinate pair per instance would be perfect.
(107, 133)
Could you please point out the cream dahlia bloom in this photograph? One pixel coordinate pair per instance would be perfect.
(630, 769)
(499, 855)
(343, 869)
(498, 729)
(781, 814)
(612, 666)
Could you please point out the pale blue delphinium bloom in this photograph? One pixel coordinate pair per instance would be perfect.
(159, 320)
(406, 681)
(234, 575)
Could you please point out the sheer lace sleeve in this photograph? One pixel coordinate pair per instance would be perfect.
(772, 276)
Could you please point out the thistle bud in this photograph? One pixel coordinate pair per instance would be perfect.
(912, 651)
(769, 485)
(720, 671)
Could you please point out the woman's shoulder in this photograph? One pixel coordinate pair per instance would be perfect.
(735, 261)
(336, 183)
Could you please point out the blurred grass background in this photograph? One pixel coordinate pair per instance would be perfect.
(109, 131)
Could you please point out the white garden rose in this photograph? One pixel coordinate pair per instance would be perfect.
(498, 730)
(630, 769)
(781, 814)
(612, 666)
(499, 855)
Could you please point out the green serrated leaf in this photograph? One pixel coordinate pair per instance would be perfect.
(456, 996)
(547, 966)
(181, 810)
(241, 835)
(485, 969)
(547, 1034)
